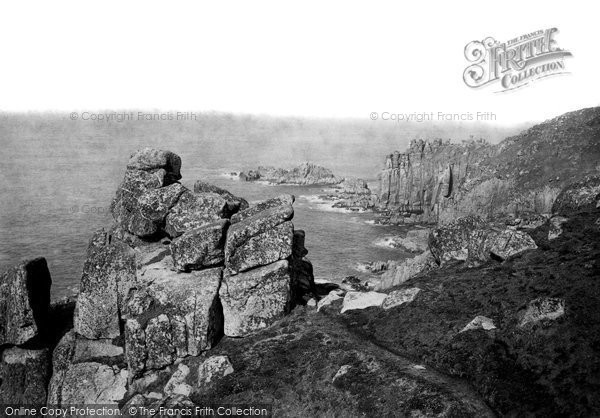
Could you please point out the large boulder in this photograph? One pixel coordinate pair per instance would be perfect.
(175, 315)
(260, 235)
(108, 273)
(24, 376)
(24, 301)
(204, 187)
(255, 299)
(472, 240)
(194, 210)
(143, 211)
(578, 196)
(201, 247)
(396, 273)
(152, 160)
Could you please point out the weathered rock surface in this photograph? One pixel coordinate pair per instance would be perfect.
(362, 300)
(200, 247)
(330, 298)
(177, 315)
(260, 235)
(108, 273)
(212, 369)
(397, 273)
(194, 210)
(24, 301)
(24, 376)
(542, 309)
(400, 297)
(233, 201)
(472, 240)
(555, 229)
(578, 196)
(255, 299)
(151, 160)
(479, 322)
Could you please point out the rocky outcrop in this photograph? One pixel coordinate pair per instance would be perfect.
(204, 187)
(255, 299)
(362, 300)
(436, 181)
(351, 194)
(396, 273)
(24, 302)
(580, 195)
(305, 174)
(472, 240)
(201, 247)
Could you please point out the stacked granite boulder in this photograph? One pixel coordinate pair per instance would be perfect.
(178, 270)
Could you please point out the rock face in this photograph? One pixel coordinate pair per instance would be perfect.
(108, 273)
(176, 315)
(362, 300)
(439, 181)
(24, 376)
(259, 238)
(24, 301)
(397, 273)
(305, 174)
(578, 196)
(255, 299)
(400, 297)
(472, 240)
(201, 247)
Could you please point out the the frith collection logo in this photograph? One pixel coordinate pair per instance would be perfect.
(515, 63)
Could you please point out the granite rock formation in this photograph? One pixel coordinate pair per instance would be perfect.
(436, 181)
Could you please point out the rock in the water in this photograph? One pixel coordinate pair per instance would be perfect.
(555, 230)
(255, 299)
(305, 174)
(362, 300)
(201, 247)
(24, 376)
(108, 273)
(174, 316)
(578, 196)
(479, 322)
(233, 201)
(260, 235)
(543, 309)
(24, 301)
(399, 297)
(212, 369)
(194, 210)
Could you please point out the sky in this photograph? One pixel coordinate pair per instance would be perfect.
(306, 58)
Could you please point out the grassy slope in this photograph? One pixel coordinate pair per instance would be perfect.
(548, 369)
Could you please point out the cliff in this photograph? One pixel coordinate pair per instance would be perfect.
(435, 181)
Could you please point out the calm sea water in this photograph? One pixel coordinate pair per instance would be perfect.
(58, 181)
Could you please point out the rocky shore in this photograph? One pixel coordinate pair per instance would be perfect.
(195, 297)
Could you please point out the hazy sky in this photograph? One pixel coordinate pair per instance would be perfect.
(306, 58)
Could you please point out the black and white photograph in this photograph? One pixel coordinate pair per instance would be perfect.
(299, 209)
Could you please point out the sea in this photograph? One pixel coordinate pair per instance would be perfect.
(60, 175)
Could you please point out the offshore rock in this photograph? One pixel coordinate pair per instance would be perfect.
(255, 299)
(24, 301)
(305, 174)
